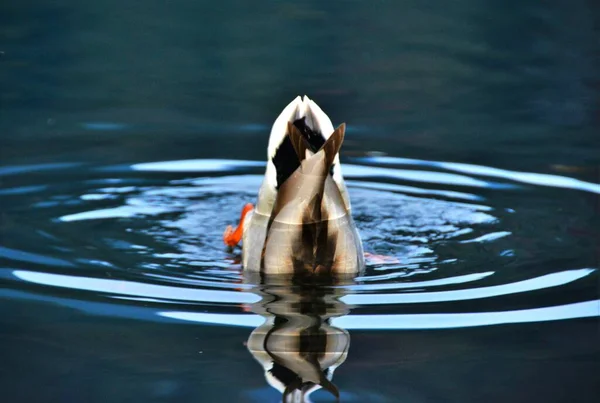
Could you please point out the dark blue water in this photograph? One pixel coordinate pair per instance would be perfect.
(131, 133)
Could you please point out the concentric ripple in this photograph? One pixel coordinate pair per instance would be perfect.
(451, 245)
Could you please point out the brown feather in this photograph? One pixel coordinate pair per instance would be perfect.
(298, 141)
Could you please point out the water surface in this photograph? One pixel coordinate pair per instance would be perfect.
(130, 136)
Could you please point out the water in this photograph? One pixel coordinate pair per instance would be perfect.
(131, 136)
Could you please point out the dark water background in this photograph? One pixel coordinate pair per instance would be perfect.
(472, 155)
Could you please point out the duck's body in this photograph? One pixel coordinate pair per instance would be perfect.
(302, 220)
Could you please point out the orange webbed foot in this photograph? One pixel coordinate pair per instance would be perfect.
(232, 237)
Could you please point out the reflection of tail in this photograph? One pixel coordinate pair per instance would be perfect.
(299, 356)
(300, 386)
(289, 394)
(297, 347)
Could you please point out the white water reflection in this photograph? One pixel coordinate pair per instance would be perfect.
(349, 171)
(523, 177)
(588, 309)
(442, 178)
(252, 182)
(136, 289)
(538, 283)
(488, 237)
(421, 284)
(413, 190)
(215, 318)
(200, 165)
(117, 212)
(143, 290)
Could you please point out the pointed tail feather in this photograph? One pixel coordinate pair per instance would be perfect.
(320, 163)
(333, 144)
(298, 141)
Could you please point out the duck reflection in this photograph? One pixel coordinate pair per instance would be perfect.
(297, 346)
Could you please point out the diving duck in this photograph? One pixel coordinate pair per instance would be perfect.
(302, 220)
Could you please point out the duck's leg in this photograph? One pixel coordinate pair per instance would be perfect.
(232, 237)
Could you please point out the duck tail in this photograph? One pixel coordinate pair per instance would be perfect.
(299, 143)
(333, 144)
(326, 154)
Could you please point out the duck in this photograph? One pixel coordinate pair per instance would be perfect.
(302, 221)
